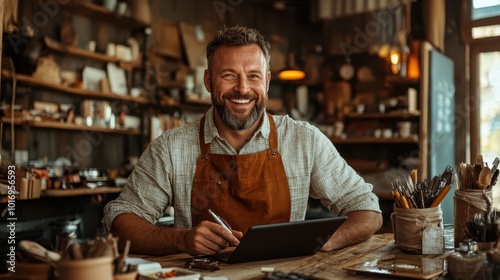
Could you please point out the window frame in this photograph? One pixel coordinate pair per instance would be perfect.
(475, 102)
(476, 46)
(468, 24)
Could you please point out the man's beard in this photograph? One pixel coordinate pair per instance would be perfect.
(233, 122)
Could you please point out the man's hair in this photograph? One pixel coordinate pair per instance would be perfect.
(238, 36)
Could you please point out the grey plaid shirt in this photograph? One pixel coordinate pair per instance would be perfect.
(164, 174)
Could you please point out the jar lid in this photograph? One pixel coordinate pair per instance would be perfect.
(468, 247)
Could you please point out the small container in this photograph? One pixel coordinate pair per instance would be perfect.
(418, 230)
(93, 268)
(91, 46)
(492, 269)
(468, 203)
(466, 263)
(64, 231)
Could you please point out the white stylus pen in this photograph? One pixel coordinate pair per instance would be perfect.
(220, 221)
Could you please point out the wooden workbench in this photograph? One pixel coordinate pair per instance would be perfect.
(323, 265)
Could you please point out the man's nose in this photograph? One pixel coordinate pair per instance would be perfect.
(242, 85)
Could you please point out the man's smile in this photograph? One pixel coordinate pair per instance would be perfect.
(240, 101)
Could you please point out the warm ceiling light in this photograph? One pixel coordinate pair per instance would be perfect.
(398, 55)
(394, 57)
(291, 75)
(292, 72)
(395, 65)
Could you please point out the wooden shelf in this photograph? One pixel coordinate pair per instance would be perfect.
(390, 115)
(65, 126)
(28, 80)
(81, 191)
(198, 100)
(171, 84)
(101, 13)
(196, 104)
(373, 140)
(402, 81)
(59, 47)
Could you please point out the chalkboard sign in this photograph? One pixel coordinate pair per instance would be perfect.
(442, 121)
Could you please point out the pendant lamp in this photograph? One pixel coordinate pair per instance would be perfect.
(398, 55)
(292, 72)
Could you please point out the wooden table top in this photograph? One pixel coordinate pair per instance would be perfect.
(323, 265)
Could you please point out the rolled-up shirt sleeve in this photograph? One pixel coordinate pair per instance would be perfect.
(147, 192)
(336, 184)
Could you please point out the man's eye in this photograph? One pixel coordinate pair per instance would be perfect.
(254, 77)
(229, 76)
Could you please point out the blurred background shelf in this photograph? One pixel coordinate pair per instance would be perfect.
(96, 11)
(30, 81)
(373, 140)
(81, 191)
(65, 126)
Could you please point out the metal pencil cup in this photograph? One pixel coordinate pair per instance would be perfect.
(419, 230)
(467, 203)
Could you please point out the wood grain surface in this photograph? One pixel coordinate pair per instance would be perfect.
(323, 265)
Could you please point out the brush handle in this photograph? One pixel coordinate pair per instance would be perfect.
(441, 196)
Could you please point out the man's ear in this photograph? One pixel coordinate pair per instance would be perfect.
(268, 79)
(206, 80)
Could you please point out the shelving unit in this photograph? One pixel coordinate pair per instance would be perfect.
(400, 80)
(81, 191)
(86, 146)
(381, 121)
(390, 115)
(195, 107)
(53, 93)
(66, 126)
(102, 13)
(373, 140)
(69, 50)
(73, 192)
(30, 81)
(379, 130)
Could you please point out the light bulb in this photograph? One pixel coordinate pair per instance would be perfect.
(395, 61)
(394, 57)
(291, 75)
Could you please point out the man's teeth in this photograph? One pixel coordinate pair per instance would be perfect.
(241, 101)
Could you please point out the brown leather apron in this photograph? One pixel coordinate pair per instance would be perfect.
(244, 190)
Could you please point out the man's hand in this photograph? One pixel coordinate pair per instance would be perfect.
(146, 238)
(209, 238)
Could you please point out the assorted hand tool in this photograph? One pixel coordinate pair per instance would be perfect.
(409, 193)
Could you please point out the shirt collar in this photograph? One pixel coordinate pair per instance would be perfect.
(210, 130)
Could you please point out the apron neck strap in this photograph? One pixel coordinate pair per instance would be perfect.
(273, 133)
